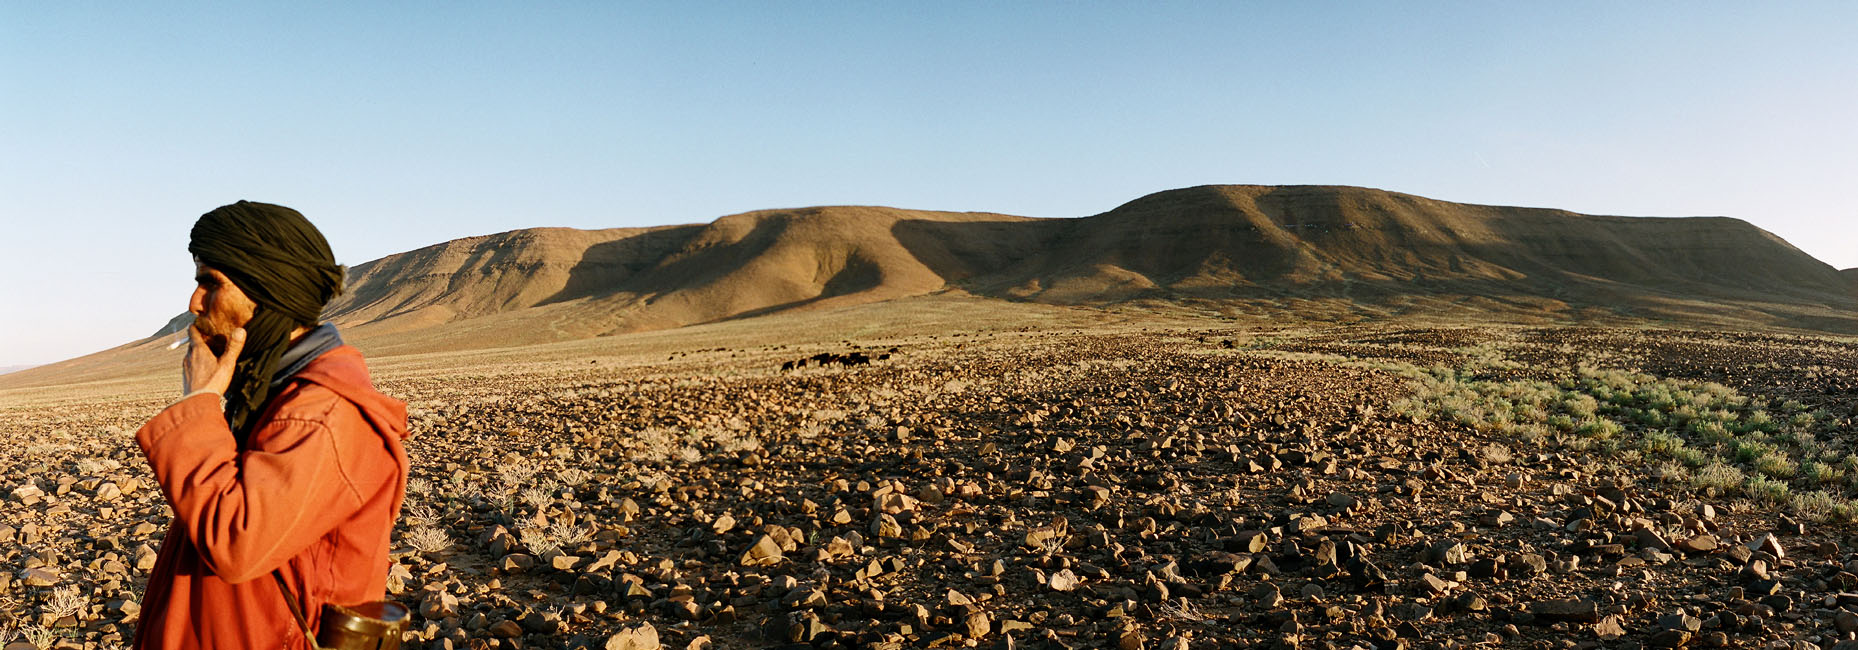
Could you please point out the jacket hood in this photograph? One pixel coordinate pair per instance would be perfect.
(344, 371)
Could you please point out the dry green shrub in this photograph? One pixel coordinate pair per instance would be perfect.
(428, 539)
(1767, 491)
(1718, 477)
(1816, 506)
(64, 601)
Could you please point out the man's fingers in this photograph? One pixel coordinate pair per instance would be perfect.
(234, 343)
(194, 337)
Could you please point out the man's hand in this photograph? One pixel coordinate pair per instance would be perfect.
(201, 371)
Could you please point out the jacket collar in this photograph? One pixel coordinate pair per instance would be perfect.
(313, 344)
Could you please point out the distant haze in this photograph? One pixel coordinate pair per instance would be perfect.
(394, 126)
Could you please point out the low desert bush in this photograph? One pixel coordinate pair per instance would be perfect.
(1661, 443)
(1768, 491)
(1776, 465)
(64, 601)
(1691, 457)
(1816, 506)
(574, 476)
(427, 539)
(1818, 473)
(1671, 471)
(1719, 477)
(538, 542)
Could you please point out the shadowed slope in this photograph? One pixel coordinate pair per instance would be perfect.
(737, 266)
(1238, 241)
(480, 276)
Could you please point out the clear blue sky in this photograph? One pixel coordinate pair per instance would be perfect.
(401, 124)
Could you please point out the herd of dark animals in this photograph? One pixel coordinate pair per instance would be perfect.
(827, 358)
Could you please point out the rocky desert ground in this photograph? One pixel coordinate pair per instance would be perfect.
(1165, 485)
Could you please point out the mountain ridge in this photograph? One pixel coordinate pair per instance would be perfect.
(1337, 252)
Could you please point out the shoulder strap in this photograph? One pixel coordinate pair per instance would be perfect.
(295, 609)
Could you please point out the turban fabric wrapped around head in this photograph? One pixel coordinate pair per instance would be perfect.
(282, 263)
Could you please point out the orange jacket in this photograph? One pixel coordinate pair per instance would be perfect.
(315, 494)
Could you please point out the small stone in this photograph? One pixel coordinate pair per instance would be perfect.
(1610, 628)
(1044, 537)
(1578, 611)
(438, 605)
(1668, 639)
(145, 556)
(39, 577)
(1130, 639)
(540, 623)
(1680, 621)
(28, 494)
(1062, 580)
(765, 551)
(1528, 565)
(1649, 538)
(886, 526)
(803, 598)
(506, 629)
(1448, 551)
(1769, 544)
(605, 562)
(1250, 541)
(1429, 585)
(517, 563)
(1267, 595)
(978, 625)
(643, 637)
(1701, 544)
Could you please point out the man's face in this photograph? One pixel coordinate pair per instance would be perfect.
(218, 306)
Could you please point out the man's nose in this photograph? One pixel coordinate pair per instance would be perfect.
(195, 302)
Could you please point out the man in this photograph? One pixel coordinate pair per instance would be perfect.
(301, 473)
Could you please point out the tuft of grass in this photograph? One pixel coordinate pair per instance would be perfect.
(1819, 473)
(1691, 457)
(1671, 471)
(39, 637)
(1776, 465)
(539, 542)
(1661, 443)
(574, 476)
(537, 498)
(1599, 428)
(1719, 477)
(1749, 451)
(1816, 506)
(427, 539)
(64, 601)
(1768, 491)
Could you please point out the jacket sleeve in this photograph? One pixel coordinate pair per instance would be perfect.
(248, 512)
